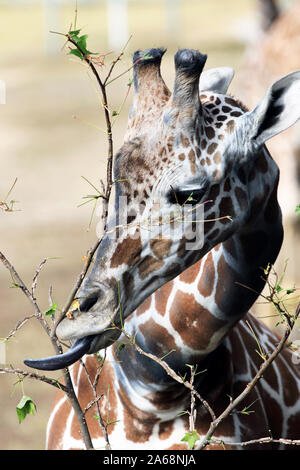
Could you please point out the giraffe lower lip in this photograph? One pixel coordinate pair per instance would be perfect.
(60, 361)
(86, 345)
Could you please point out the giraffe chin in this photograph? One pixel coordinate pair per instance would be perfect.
(86, 345)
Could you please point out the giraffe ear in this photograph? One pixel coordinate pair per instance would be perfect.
(278, 110)
(216, 80)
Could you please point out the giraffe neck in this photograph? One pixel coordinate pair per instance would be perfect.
(188, 318)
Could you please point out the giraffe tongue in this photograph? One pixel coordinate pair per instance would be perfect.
(78, 349)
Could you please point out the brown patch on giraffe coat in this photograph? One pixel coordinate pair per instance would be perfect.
(213, 192)
(217, 157)
(161, 297)
(160, 247)
(138, 425)
(191, 156)
(190, 274)
(165, 430)
(227, 278)
(85, 396)
(184, 140)
(128, 282)
(211, 148)
(178, 447)
(217, 174)
(236, 113)
(210, 133)
(157, 338)
(230, 126)
(128, 251)
(242, 175)
(181, 250)
(209, 222)
(242, 198)
(230, 247)
(231, 101)
(207, 279)
(144, 306)
(181, 156)
(57, 429)
(226, 209)
(227, 185)
(192, 321)
(148, 265)
(203, 143)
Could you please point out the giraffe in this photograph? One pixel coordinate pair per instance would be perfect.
(176, 291)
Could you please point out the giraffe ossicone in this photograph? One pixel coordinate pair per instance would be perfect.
(202, 220)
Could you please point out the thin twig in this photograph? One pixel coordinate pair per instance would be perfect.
(96, 400)
(19, 325)
(33, 375)
(172, 374)
(35, 278)
(262, 440)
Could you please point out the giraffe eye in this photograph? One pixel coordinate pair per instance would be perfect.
(185, 196)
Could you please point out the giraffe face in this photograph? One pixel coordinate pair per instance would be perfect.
(185, 180)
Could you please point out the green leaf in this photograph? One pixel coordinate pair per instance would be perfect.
(120, 347)
(278, 288)
(25, 407)
(51, 310)
(297, 209)
(115, 113)
(191, 438)
(76, 52)
(291, 290)
(75, 32)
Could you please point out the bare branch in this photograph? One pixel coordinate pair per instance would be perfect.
(35, 278)
(172, 374)
(262, 440)
(33, 375)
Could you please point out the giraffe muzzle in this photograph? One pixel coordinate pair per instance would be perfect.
(88, 330)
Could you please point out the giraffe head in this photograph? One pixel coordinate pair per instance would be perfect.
(181, 185)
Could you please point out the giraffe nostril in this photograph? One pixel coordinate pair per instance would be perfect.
(89, 301)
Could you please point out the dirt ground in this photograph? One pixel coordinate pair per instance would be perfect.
(51, 136)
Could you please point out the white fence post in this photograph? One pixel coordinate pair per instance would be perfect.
(2, 92)
(52, 16)
(173, 23)
(117, 23)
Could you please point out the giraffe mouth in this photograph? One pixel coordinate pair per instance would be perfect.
(85, 345)
(60, 361)
(89, 332)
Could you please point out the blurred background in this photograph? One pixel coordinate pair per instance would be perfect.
(51, 134)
